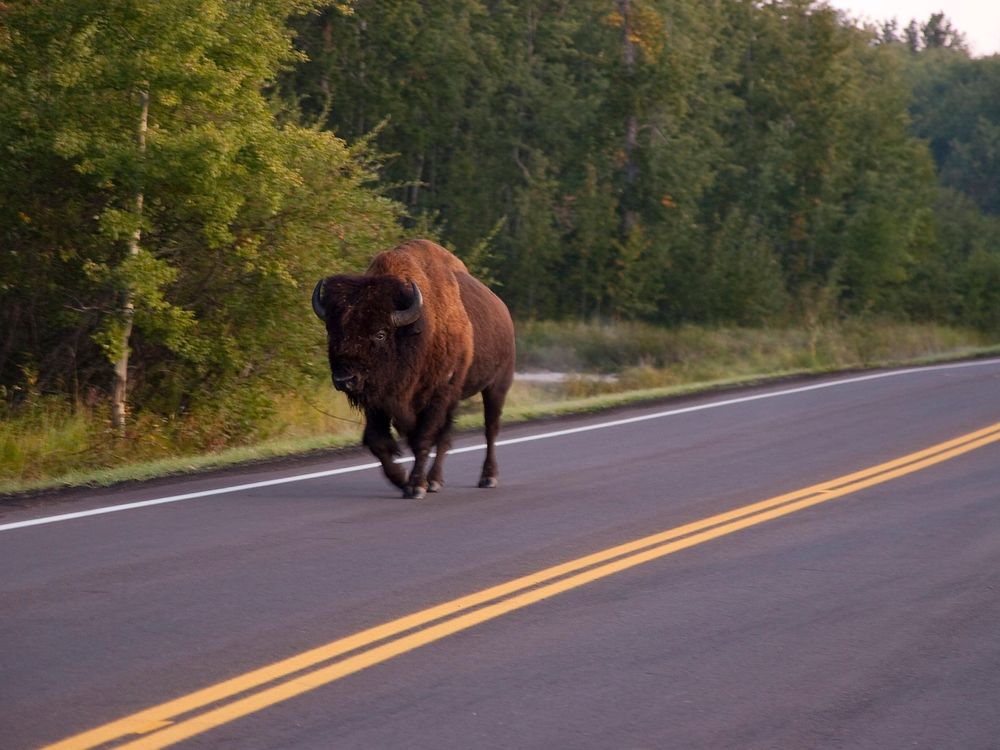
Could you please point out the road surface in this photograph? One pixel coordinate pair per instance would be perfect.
(803, 565)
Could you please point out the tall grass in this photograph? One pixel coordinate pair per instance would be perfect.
(644, 356)
(47, 441)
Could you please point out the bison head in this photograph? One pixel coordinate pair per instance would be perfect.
(369, 321)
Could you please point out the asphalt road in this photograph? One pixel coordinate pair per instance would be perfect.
(864, 612)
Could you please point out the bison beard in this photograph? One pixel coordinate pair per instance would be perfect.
(407, 341)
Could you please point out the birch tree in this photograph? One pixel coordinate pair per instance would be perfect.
(158, 212)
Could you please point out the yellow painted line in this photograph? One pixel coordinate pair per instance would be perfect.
(168, 723)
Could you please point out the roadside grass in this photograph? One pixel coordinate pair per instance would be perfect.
(48, 443)
(53, 444)
(689, 353)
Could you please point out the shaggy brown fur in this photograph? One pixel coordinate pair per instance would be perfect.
(412, 376)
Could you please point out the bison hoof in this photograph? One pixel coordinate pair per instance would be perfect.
(488, 482)
(415, 493)
(434, 486)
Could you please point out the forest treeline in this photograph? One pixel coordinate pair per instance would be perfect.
(175, 176)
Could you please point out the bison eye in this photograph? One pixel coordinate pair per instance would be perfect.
(380, 336)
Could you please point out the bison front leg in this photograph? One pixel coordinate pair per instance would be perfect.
(432, 423)
(435, 480)
(378, 437)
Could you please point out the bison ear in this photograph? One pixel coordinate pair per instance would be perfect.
(318, 301)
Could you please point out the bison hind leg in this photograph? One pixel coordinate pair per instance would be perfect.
(435, 479)
(493, 400)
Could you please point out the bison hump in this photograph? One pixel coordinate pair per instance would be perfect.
(425, 255)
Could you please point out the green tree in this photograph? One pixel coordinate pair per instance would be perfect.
(956, 107)
(822, 162)
(406, 69)
(760, 150)
(939, 33)
(156, 211)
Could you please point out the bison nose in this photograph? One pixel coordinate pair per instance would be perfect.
(345, 381)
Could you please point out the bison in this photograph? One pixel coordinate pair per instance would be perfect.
(407, 341)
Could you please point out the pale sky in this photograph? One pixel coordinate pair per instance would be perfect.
(979, 20)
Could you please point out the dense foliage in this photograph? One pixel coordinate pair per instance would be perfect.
(191, 167)
(721, 161)
(237, 214)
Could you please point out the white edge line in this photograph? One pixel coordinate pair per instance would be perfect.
(480, 446)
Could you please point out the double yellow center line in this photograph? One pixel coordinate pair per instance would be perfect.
(213, 706)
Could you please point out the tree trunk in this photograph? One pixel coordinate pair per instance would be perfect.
(632, 121)
(119, 392)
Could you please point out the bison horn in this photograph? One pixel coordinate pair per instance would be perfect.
(318, 300)
(412, 313)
